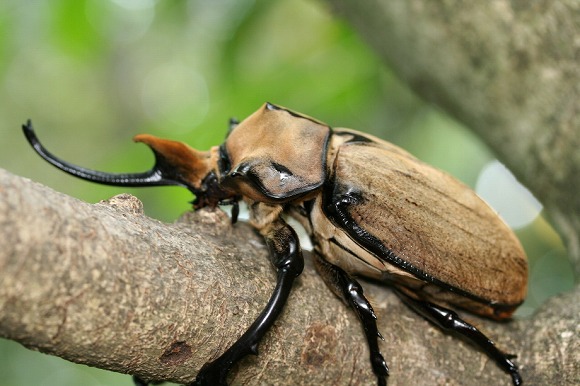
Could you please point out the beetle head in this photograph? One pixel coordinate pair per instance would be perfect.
(180, 164)
(274, 155)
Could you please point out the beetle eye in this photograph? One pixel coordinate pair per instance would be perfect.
(243, 169)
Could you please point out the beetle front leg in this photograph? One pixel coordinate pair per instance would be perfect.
(286, 256)
(447, 319)
(351, 292)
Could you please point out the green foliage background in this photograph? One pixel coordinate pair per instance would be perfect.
(93, 73)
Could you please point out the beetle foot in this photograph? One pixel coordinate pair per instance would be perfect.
(211, 375)
(516, 378)
(380, 368)
(448, 320)
(505, 361)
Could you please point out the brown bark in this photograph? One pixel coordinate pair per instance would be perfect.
(509, 70)
(107, 286)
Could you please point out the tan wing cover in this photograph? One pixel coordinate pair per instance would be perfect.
(432, 221)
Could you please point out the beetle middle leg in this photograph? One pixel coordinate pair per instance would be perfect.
(351, 292)
(448, 320)
(286, 256)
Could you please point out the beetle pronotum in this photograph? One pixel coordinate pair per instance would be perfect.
(371, 210)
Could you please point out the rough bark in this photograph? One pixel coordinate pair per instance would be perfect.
(106, 286)
(507, 69)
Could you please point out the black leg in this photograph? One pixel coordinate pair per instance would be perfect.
(287, 257)
(448, 320)
(351, 292)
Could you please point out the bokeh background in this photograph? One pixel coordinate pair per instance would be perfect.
(93, 73)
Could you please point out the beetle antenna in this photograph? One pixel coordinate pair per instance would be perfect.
(232, 125)
(154, 177)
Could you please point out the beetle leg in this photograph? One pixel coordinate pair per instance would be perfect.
(448, 320)
(286, 256)
(351, 292)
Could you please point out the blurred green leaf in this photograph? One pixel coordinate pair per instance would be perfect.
(72, 31)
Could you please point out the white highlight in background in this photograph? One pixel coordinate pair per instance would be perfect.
(500, 189)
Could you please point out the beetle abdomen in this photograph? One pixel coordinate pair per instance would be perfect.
(426, 223)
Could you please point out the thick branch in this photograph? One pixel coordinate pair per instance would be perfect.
(508, 70)
(107, 286)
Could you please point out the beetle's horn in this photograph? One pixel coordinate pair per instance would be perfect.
(175, 164)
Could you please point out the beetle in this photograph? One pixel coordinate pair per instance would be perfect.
(371, 210)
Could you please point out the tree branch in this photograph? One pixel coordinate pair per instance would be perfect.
(508, 70)
(106, 286)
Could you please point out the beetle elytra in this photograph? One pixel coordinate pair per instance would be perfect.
(371, 210)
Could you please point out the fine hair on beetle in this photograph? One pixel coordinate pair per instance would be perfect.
(370, 210)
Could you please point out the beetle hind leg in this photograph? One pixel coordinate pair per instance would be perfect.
(351, 292)
(448, 320)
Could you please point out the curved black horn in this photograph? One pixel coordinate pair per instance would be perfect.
(154, 177)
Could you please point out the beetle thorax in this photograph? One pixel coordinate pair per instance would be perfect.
(276, 156)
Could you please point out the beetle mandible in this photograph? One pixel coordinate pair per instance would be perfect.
(371, 209)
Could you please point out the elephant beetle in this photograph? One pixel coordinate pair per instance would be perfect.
(371, 210)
